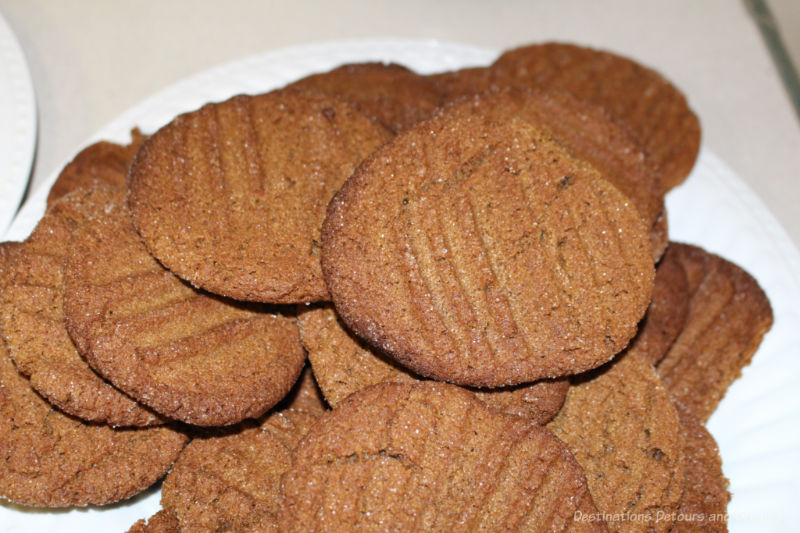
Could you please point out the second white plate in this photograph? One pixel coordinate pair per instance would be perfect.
(17, 124)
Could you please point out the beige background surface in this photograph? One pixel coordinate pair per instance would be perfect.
(91, 60)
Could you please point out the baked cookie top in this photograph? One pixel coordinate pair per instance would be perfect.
(480, 252)
(231, 197)
(653, 108)
(728, 316)
(455, 84)
(190, 355)
(621, 426)
(33, 322)
(589, 133)
(50, 459)
(431, 457)
(230, 480)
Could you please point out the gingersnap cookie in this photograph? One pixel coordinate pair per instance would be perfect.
(32, 319)
(668, 310)
(705, 496)
(590, 134)
(191, 356)
(102, 163)
(480, 252)
(161, 522)
(50, 459)
(343, 365)
(231, 481)
(728, 316)
(620, 424)
(391, 94)
(652, 107)
(231, 197)
(431, 457)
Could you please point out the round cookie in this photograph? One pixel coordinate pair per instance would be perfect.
(231, 197)
(390, 93)
(32, 318)
(191, 356)
(590, 134)
(705, 496)
(343, 365)
(621, 426)
(728, 316)
(431, 457)
(652, 107)
(100, 164)
(52, 460)
(49, 459)
(231, 481)
(668, 309)
(479, 252)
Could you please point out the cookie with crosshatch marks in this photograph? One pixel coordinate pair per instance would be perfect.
(431, 457)
(653, 108)
(621, 426)
(49, 459)
(192, 356)
(230, 479)
(728, 316)
(343, 365)
(231, 197)
(478, 251)
(33, 322)
(392, 94)
(589, 133)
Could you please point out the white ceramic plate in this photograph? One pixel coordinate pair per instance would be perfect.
(17, 124)
(758, 423)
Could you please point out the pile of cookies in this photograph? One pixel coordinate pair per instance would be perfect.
(375, 300)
